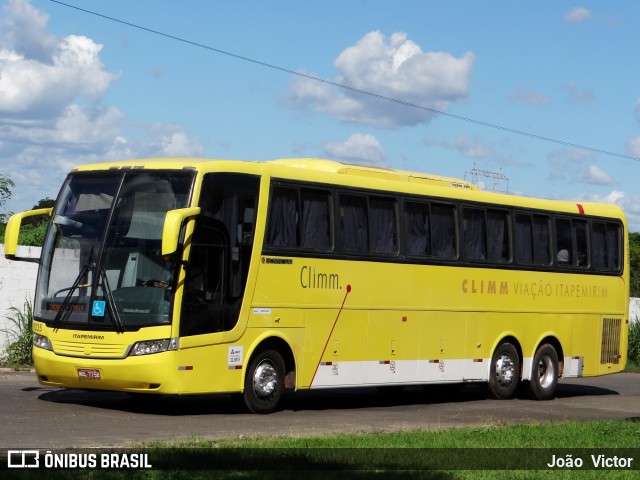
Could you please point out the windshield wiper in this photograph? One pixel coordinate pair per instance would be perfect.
(113, 308)
(65, 308)
(67, 304)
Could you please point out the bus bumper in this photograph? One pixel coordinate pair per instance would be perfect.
(146, 373)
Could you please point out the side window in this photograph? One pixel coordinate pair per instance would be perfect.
(354, 224)
(531, 239)
(486, 235)
(368, 224)
(299, 217)
(316, 219)
(417, 229)
(443, 231)
(606, 246)
(474, 234)
(284, 216)
(541, 240)
(581, 233)
(564, 243)
(498, 245)
(383, 233)
(430, 230)
(572, 243)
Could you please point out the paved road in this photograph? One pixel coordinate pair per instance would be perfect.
(33, 416)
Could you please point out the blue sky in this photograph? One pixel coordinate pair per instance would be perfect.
(77, 88)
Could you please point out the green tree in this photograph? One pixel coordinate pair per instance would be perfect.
(38, 220)
(6, 184)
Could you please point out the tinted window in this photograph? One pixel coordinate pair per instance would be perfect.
(532, 242)
(606, 246)
(382, 214)
(564, 243)
(474, 234)
(486, 235)
(417, 229)
(316, 219)
(354, 224)
(572, 243)
(443, 230)
(299, 218)
(284, 215)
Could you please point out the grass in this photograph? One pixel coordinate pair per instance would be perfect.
(495, 452)
(632, 367)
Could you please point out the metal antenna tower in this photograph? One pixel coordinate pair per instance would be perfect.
(495, 177)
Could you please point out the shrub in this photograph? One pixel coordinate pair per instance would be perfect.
(19, 336)
(634, 342)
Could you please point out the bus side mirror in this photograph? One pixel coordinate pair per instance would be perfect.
(171, 229)
(12, 230)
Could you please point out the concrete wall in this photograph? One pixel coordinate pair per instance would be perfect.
(17, 284)
(634, 310)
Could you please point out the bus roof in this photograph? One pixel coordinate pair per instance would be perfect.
(376, 177)
(315, 164)
(373, 172)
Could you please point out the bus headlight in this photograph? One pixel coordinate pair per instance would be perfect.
(42, 342)
(149, 347)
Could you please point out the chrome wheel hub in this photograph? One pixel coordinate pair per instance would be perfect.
(265, 379)
(546, 373)
(505, 370)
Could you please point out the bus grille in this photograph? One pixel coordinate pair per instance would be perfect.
(73, 349)
(610, 352)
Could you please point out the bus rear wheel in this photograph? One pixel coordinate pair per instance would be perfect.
(505, 372)
(264, 382)
(544, 375)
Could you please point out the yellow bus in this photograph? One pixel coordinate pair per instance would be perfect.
(193, 276)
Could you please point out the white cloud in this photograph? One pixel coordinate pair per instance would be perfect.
(395, 68)
(359, 147)
(25, 30)
(578, 96)
(530, 97)
(633, 147)
(51, 111)
(170, 141)
(594, 175)
(577, 15)
(33, 88)
(471, 149)
(577, 166)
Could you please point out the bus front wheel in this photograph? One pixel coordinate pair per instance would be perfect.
(544, 376)
(505, 372)
(264, 382)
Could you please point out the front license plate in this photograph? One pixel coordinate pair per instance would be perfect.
(89, 374)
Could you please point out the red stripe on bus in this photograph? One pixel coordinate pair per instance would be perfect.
(330, 333)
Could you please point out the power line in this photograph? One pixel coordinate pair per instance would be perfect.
(350, 88)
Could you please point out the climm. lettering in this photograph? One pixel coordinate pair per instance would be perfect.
(310, 278)
(490, 287)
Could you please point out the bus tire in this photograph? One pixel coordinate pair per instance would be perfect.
(544, 373)
(264, 382)
(504, 374)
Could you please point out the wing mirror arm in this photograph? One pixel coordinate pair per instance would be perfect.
(172, 225)
(12, 231)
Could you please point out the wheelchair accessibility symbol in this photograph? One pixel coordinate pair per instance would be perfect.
(98, 308)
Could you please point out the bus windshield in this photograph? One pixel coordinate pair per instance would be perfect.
(101, 264)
